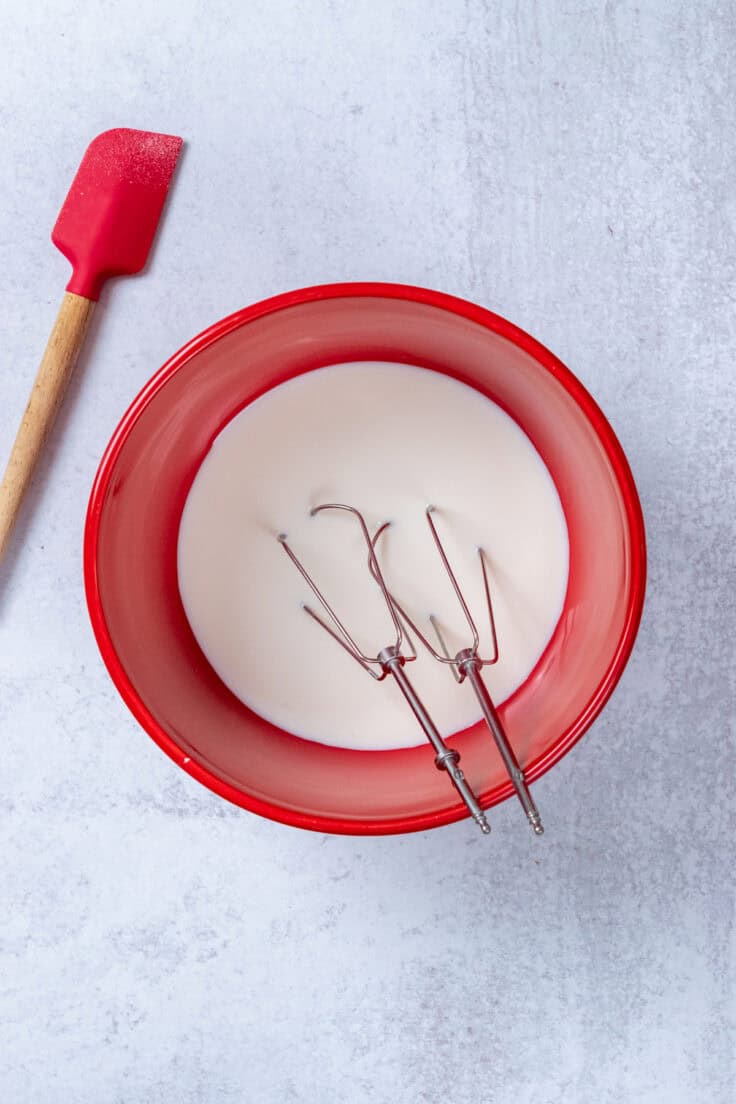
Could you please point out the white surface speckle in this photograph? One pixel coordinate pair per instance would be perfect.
(570, 166)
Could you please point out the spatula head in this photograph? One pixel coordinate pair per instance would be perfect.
(110, 215)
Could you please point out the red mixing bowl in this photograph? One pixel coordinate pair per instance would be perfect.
(133, 521)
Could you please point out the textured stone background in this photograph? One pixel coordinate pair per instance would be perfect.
(571, 166)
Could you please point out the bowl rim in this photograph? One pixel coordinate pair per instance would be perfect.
(445, 302)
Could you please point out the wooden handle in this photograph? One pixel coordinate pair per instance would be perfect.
(51, 382)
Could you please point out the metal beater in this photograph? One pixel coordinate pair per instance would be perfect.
(467, 664)
(390, 660)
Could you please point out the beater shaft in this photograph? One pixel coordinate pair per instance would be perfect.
(471, 668)
(446, 758)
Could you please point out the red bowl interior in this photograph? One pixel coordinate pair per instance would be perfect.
(133, 520)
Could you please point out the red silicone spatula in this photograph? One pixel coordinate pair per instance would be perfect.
(105, 228)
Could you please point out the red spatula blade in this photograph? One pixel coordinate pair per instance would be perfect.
(110, 215)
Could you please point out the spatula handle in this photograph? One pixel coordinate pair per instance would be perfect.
(51, 382)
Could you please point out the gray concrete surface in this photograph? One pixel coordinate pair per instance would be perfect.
(571, 166)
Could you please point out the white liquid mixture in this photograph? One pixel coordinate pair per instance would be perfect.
(389, 439)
